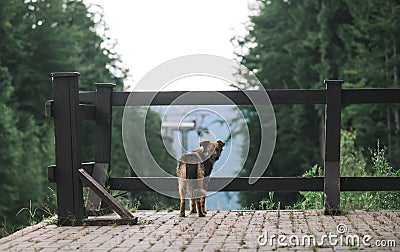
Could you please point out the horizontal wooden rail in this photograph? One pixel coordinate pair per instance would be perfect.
(289, 184)
(278, 184)
(370, 183)
(285, 96)
(373, 95)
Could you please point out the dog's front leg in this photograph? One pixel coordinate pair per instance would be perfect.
(182, 208)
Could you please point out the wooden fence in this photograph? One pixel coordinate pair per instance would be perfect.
(69, 106)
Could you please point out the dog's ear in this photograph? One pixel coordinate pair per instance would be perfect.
(205, 143)
(221, 143)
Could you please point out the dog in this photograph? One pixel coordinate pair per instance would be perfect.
(193, 174)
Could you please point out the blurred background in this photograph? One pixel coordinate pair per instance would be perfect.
(286, 44)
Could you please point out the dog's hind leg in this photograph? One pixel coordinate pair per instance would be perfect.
(192, 206)
(182, 193)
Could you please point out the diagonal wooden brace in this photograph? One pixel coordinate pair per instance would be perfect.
(104, 195)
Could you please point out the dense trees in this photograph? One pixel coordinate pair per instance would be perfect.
(298, 44)
(36, 38)
(16, 177)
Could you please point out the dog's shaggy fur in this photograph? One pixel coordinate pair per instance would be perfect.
(193, 174)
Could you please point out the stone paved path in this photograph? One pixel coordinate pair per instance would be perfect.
(221, 231)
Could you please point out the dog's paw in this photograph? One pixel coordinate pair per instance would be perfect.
(193, 211)
(182, 215)
(202, 215)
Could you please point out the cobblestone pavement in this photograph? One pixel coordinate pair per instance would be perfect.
(221, 231)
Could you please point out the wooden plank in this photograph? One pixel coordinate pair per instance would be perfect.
(358, 96)
(51, 174)
(288, 96)
(168, 97)
(279, 184)
(103, 122)
(48, 109)
(103, 142)
(299, 96)
(108, 198)
(66, 130)
(332, 147)
(87, 97)
(370, 183)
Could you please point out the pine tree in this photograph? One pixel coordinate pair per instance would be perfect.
(283, 50)
(372, 41)
(297, 44)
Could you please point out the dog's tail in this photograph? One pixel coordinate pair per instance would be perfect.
(194, 176)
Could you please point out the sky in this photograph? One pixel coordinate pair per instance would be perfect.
(149, 33)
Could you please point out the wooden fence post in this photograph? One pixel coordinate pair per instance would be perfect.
(103, 141)
(332, 146)
(66, 130)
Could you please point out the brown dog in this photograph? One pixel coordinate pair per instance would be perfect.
(193, 173)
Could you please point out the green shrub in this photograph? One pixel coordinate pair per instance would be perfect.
(354, 163)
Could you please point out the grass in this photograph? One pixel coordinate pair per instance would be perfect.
(32, 214)
(5, 228)
(352, 163)
(267, 204)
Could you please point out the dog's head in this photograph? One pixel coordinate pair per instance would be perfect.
(211, 150)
